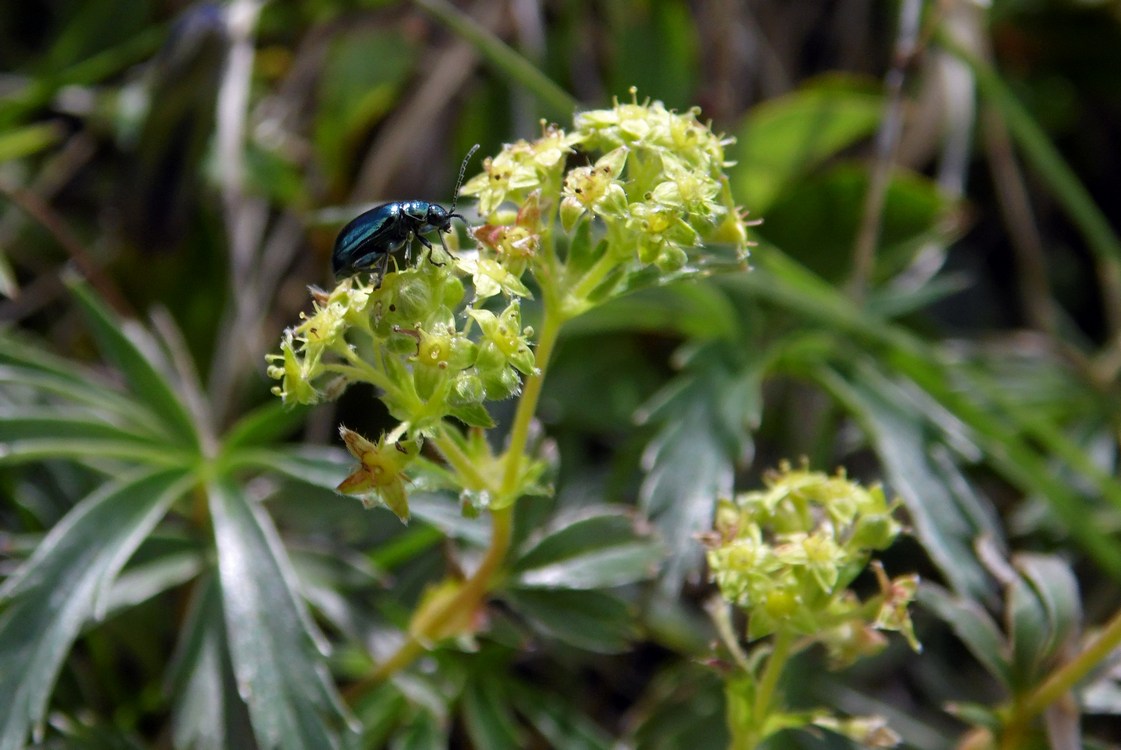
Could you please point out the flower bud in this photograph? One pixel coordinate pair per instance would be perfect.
(467, 389)
(501, 384)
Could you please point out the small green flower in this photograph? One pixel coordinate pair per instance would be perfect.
(645, 194)
(553, 147)
(504, 339)
(514, 246)
(294, 372)
(520, 168)
(818, 553)
(692, 191)
(897, 596)
(490, 278)
(622, 124)
(651, 126)
(598, 189)
(380, 476)
(662, 233)
(850, 641)
(741, 567)
(504, 177)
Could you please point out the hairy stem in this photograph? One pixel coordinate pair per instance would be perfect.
(471, 594)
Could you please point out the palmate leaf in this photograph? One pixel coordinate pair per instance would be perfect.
(141, 582)
(264, 425)
(135, 356)
(1057, 588)
(424, 732)
(973, 407)
(316, 465)
(207, 713)
(591, 620)
(487, 714)
(275, 649)
(681, 706)
(601, 549)
(47, 432)
(378, 711)
(558, 721)
(66, 583)
(973, 625)
(704, 417)
(1043, 615)
(27, 368)
(947, 514)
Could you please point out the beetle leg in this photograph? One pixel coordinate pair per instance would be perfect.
(425, 241)
(447, 250)
(384, 269)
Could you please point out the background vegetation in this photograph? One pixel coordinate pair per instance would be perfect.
(935, 303)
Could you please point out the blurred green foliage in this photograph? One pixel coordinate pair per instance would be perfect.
(177, 572)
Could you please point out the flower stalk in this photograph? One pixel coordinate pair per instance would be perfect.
(570, 220)
(786, 557)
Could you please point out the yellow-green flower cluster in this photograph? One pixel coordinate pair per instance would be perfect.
(676, 193)
(649, 179)
(405, 335)
(405, 338)
(618, 202)
(787, 554)
(520, 169)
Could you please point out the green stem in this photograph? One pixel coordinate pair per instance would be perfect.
(458, 460)
(590, 280)
(1060, 682)
(467, 598)
(531, 394)
(471, 594)
(364, 371)
(768, 683)
(720, 614)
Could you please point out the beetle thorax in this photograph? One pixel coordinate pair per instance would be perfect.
(438, 217)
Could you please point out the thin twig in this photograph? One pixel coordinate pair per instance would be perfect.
(232, 114)
(42, 212)
(245, 217)
(398, 143)
(887, 142)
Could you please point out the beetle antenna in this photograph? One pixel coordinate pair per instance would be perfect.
(462, 171)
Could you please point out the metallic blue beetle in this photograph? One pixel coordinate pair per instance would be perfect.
(371, 237)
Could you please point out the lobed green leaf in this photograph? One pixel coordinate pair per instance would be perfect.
(591, 620)
(558, 721)
(274, 647)
(65, 583)
(487, 714)
(598, 551)
(973, 625)
(136, 363)
(947, 514)
(207, 712)
(704, 417)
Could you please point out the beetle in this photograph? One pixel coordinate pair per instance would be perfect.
(372, 236)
